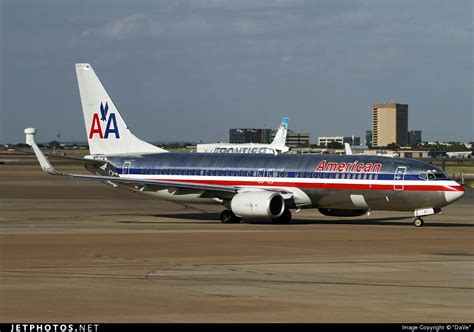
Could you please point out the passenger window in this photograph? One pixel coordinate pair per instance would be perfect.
(423, 176)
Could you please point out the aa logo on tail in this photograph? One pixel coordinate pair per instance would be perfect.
(110, 127)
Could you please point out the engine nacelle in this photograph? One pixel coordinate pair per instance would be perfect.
(342, 212)
(258, 204)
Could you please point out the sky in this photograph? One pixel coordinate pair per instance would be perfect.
(190, 70)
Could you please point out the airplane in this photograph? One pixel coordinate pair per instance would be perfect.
(278, 145)
(348, 149)
(251, 185)
(461, 154)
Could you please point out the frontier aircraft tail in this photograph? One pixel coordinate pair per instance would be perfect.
(280, 137)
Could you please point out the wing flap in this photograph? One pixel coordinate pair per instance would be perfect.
(152, 185)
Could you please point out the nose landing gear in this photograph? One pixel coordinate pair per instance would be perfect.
(418, 222)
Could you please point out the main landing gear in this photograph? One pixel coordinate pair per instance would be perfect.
(228, 217)
(418, 222)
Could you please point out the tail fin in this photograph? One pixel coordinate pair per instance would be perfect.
(280, 137)
(348, 149)
(107, 132)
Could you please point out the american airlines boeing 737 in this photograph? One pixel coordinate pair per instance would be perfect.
(251, 185)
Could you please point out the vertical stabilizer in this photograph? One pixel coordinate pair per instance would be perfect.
(280, 137)
(107, 132)
(348, 149)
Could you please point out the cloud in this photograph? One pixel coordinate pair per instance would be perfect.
(190, 24)
(121, 28)
(242, 4)
(141, 25)
(244, 26)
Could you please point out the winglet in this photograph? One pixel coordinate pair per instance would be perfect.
(30, 140)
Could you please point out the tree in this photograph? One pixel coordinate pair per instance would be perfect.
(393, 146)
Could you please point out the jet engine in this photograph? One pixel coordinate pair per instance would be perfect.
(258, 204)
(342, 212)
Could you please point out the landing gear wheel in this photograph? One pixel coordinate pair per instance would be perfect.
(285, 218)
(418, 222)
(228, 217)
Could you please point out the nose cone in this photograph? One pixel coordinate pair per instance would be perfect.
(452, 196)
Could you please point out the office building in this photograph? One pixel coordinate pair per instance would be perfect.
(389, 124)
(294, 139)
(352, 140)
(248, 135)
(368, 138)
(414, 137)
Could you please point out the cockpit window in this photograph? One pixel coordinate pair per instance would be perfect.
(432, 176)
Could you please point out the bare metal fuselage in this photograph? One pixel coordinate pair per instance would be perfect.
(315, 181)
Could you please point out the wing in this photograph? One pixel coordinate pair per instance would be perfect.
(155, 185)
(137, 184)
(206, 190)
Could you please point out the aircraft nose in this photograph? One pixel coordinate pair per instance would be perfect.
(452, 196)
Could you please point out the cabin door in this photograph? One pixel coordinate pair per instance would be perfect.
(126, 167)
(399, 178)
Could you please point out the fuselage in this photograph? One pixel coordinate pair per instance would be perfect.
(316, 181)
(241, 148)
